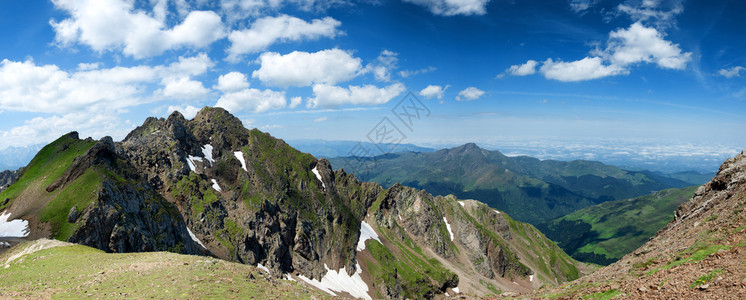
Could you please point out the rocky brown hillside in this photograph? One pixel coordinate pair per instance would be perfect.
(700, 254)
(209, 185)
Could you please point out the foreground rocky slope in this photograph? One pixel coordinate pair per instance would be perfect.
(700, 254)
(211, 186)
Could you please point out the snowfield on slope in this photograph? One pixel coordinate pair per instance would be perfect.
(14, 228)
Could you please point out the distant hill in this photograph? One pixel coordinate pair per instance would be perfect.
(327, 149)
(605, 232)
(528, 189)
(13, 158)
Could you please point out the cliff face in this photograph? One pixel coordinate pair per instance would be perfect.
(700, 254)
(248, 197)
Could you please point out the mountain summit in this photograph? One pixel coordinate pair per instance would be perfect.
(210, 186)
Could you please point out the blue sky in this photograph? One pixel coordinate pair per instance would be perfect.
(488, 70)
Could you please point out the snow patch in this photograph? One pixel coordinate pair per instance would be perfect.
(288, 277)
(366, 233)
(207, 153)
(192, 165)
(216, 186)
(462, 203)
(318, 175)
(195, 239)
(399, 217)
(498, 212)
(260, 266)
(516, 283)
(340, 281)
(448, 226)
(239, 156)
(455, 290)
(531, 278)
(14, 228)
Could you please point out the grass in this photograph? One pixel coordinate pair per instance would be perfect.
(606, 232)
(76, 271)
(706, 278)
(610, 294)
(80, 193)
(701, 253)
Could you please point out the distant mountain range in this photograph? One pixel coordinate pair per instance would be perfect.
(328, 149)
(528, 189)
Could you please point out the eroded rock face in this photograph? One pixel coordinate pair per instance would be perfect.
(133, 218)
(7, 178)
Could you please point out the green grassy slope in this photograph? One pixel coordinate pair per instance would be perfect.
(605, 232)
(76, 271)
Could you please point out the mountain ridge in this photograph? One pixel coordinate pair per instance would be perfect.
(209, 185)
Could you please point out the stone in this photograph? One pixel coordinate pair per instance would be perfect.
(72, 216)
(704, 287)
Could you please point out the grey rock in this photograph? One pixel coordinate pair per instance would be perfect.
(73, 215)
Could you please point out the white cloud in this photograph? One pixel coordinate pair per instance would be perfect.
(645, 44)
(625, 47)
(25, 86)
(187, 111)
(469, 94)
(300, 68)
(87, 66)
(44, 130)
(334, 96)
(319, 120)
(270, 30)
(236, 10)
(651, 12)
(113, 25)
(585, 69)
(252, 100)
(231, 82)
(580, 6)
(731, 72)
(182, 88)
(385, 62)
(453, 7)
(294, 102)
(409, 73)
(529, 68)
(433, 91)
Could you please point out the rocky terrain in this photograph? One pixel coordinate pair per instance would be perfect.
(8, 177)
(210, 186)
(700, 254)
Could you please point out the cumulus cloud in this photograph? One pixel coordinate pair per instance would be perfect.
(433, 91)
(731, 72)
(580, 6)
(644, 44)
(385, 62)
(252, 100)
(231, 82)
(270, 30)
(300, 68)
(469, 94)
(585, 69)
(113, 25)
(319, 120)
(294, 102)
(26, 86)
(329, 96)
(182, 88)
(528, 68)
(653, 12)
(453, 7)
(236, 10)
(625, 48)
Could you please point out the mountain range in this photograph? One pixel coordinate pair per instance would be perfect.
(209, 186)
(529, 189)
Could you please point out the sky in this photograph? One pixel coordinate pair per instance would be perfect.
(580, 72)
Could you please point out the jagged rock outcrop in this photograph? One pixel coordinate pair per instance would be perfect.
(7, 178)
